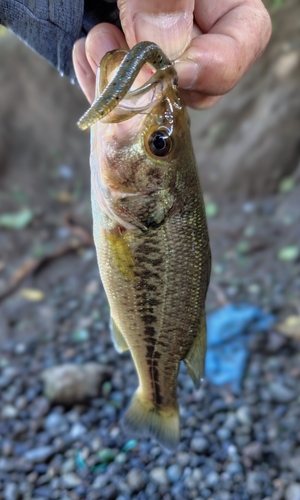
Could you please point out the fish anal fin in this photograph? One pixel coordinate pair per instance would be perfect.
(144, 418)
(195, 358)
(117, 337)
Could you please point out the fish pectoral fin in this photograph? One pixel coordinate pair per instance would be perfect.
(117, 337)
(128, 216)
(144, 418)
(195, 358)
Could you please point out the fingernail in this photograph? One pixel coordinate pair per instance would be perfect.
(171, 31)
(188, 72)
(100, 42)
(80, 56)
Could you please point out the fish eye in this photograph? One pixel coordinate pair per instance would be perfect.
(160, 143)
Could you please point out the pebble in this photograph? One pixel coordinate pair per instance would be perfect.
(174, 473)
(135, 479)
(70, 383)
(243, 415)
(212, 479)
(253, 484)
(11, 491)
(77, 430)
(182, 458)
(107, 455)
(234, 468)
(159, 475)
(55, 421)
(68, 466)
(199, 444)
(40, 408)
(223, 433)
(253, 450)
(292, 492)
(280, 393)
(41, 454)
(70, 480)
(8, 412)
(100, 481)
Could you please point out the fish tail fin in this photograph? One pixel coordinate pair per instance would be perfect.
(143, 417)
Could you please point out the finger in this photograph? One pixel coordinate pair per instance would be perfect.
(196, 100)
(215, 62)
(100, 40)
(84, 73)
(169, 23)
(87, 54)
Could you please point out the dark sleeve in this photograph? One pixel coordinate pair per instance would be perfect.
(51, 27)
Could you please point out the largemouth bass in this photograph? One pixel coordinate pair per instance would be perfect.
(150, 231)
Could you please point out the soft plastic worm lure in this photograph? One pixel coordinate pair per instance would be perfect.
(142, 53)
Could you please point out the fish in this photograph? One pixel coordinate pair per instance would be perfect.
(150, 230)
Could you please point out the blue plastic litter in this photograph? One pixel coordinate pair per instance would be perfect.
(228, 331)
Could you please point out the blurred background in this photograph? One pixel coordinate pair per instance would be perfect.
(240, 430)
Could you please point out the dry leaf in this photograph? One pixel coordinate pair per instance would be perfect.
(32, 294)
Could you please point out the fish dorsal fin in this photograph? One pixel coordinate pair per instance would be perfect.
(195, 358)
(117, 337)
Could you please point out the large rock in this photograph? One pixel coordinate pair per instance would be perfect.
(250, 140)
(68, 383)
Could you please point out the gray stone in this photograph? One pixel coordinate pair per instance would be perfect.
(68, 466)
(11, 491)
(174, 473)
(71, 480)
(182, 458)
(230, 422)
(292, 492)
(224, 495)
(69, 383)
(7, 464)
(37, 455)
(159, 475)
(40, 407)
(190, 482)
(55, 421)
(243, 416)
(253, 483)
(8, 412)
(135, 479)
(223, 433)
(280, 393)
(242, 440)
(253, 450)
(294, 463)
(77, 430)
(99, 481)
(199, 444)
(212, 479)
(234, 468)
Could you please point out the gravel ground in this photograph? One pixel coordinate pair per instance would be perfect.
(233, 447)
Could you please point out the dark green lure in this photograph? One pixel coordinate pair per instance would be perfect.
(117, 89)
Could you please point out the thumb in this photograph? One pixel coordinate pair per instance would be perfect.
(169, 23)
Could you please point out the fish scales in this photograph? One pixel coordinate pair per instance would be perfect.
(152, 242)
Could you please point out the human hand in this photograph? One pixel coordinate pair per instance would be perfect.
(213, 43)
